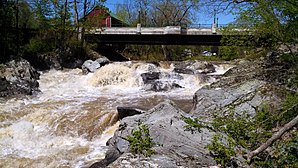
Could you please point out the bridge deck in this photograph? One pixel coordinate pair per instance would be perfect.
(170, 35)
(155, 30)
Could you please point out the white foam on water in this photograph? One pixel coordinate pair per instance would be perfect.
(47, 128)
(221, 69)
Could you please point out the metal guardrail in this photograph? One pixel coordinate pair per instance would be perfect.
(183, 26)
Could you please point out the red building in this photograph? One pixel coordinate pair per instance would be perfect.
(101, 17)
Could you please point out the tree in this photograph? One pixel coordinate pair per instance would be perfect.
(276, 21)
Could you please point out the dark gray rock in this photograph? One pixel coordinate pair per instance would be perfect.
(159, 86)
(45, 61)
(150, 76)
(194, 67)
(202, 67)
(128, 111)
(18, 77)
(102, 60)
(160, 81)
(184, 71)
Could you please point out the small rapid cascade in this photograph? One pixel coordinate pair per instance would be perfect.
(69, 122)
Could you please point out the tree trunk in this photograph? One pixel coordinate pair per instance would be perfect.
(83, 26)
(274, 137)
(166, 53)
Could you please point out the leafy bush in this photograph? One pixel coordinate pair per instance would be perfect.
(221, 152)
(193, 124)
(229, 52)
(247, 132)
(37, 45)
(140, 142)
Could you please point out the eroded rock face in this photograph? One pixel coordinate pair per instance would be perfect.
(177, 147)
(243, 98)
(243, 88)
(18, 77)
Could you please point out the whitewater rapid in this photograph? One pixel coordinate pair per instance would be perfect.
(70, 121)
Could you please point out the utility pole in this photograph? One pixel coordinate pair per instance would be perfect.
(17, 26)
(140, 16)
(214, 16)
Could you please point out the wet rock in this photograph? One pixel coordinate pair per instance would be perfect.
(177, 147)
(128, 111)
(149, 77)
(102, 60)
(158, 86)
(184, 71)
(18, 77)
(111, 155)
(90, 66)
(193, 67)
(202, 67)
(46, 61)
(159, 81)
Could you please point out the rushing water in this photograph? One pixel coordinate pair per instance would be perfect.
(69, 122)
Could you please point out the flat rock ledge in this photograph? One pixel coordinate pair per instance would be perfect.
(176, 146)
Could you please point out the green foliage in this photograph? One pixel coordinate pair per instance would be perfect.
(205, 58)
(289, 152)
(275, 21)
(193, 124)
(140, 141)
(222, 152)
(284, 154)
(229, 52)
(37, 45)
(246, 132)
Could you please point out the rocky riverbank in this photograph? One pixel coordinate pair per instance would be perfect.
(18, 77)
(243, 88)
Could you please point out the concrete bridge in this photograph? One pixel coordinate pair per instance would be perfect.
(170, 35)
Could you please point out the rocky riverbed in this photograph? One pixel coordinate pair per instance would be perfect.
(243, 88)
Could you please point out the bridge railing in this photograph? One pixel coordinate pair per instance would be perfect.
(183, 26)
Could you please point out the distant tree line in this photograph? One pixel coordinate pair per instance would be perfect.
(37, 26)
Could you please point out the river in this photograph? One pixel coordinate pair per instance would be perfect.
(69, 122)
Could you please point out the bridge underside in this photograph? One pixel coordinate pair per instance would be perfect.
(166, 39)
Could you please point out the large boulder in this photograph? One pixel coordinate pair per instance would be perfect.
(246, 97)
(45, 61)
(176, 146)
(92, 66)
(18, 77)
(160, 81)
(194, 67)
(243, 89)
